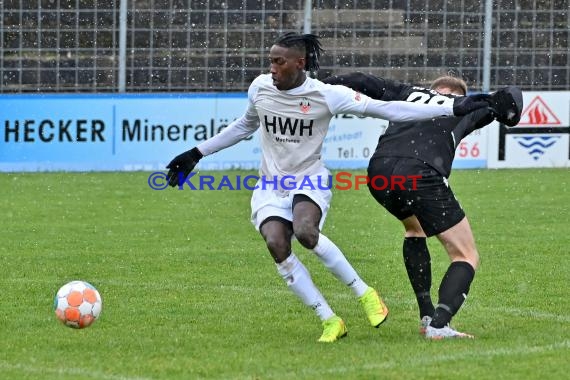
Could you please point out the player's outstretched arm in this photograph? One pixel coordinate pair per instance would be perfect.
(409, 111)
(463, 105)
(343, 99)
(390, 90)
(183, 164)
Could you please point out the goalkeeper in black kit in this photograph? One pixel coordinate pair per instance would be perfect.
(427, 208)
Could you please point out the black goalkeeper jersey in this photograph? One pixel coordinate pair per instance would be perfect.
(431, 141)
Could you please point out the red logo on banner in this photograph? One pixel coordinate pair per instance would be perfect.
(539, 114)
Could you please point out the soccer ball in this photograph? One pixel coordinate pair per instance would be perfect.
(77, 304)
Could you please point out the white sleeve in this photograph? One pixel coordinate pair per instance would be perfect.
(341, 99)
(407, 111)
(236, 131)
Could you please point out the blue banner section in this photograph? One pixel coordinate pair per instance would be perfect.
(110, 132)
(116, 132)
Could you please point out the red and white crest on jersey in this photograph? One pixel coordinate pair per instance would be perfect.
(305, 105)
(357, 97)
(537, 113)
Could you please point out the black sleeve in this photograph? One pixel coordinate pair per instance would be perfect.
(472, 121)
(375, 87)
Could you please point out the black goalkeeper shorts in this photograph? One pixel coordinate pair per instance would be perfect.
(426, 193)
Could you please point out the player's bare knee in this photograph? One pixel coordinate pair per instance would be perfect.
(279, 247)
(472, 257)
(474, 260)
(417, 233)
(308, 236)
(413, 227)
(468, 255)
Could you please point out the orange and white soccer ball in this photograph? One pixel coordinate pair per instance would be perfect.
(77, 304)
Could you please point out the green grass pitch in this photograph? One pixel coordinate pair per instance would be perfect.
(189, 291)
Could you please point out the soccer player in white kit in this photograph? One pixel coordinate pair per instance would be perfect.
(293, 112)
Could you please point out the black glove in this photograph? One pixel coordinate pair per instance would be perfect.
(182, 165)
(466, 104)
(507, 105)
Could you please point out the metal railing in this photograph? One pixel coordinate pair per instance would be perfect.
(189, 45)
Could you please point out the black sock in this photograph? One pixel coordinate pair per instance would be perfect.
(452, 292)
(418, 266)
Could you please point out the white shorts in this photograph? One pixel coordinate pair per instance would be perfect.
(274, 202)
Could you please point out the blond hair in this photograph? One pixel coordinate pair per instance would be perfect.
(453, 83)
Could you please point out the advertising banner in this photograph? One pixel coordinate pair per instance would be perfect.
(471, 153)
(109, 132)
(541, 139)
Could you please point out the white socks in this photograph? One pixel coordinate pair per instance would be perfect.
(299, 281)
(333, 259)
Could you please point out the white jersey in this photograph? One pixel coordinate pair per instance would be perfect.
(294, 123)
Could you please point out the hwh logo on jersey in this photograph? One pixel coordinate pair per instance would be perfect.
(288, 126)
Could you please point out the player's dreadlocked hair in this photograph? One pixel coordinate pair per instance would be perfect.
(309, 43)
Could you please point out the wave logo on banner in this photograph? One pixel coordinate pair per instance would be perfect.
(538, 114)
(536, 145)
(541, 123)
